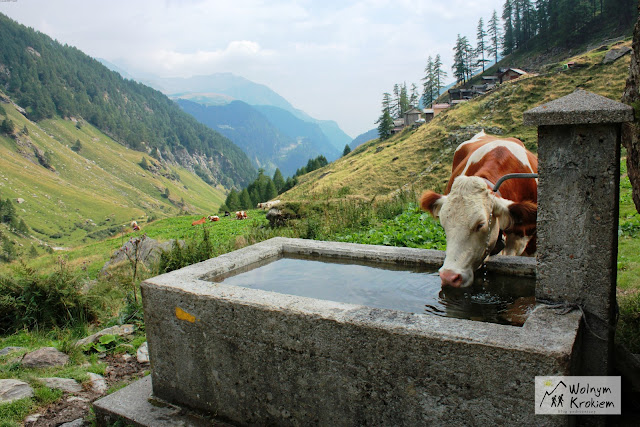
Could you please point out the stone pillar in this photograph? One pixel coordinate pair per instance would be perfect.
(578, 192)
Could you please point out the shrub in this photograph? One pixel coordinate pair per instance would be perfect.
(191, 252)
(32, 301)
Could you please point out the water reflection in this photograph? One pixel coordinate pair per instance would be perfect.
(500, 299)
(405, 287)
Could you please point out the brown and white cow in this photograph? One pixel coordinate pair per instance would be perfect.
(474, 217)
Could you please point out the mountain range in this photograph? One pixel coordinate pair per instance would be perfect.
(301, 137)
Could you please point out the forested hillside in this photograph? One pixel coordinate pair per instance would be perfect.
(48, 79)
(267, 145)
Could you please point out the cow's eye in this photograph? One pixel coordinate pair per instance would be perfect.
(479, 226)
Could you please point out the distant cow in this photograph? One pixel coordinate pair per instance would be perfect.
(135, 226)
(474, 217)
(268, 205)
(241, 215)
(200, 221)
(213, 218)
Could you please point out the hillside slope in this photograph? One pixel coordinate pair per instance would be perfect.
(222, 88)
(262, 136)
(79, 184)
(50, 80)
(422, 158)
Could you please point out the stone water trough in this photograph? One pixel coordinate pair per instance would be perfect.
(226, 353)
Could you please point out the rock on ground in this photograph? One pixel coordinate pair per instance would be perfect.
(615, 54)
(11, 390)
(114, 330)
(44, 357)
(75, 423)
(98, 383)
(8, 350)
(65, 384)
(143, 353)
(149, 251)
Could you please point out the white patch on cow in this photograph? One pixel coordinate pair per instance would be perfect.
(475, 138)
(518, 151)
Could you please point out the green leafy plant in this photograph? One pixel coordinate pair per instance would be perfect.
(104, 344)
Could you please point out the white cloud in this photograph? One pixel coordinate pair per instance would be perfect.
(331, 58)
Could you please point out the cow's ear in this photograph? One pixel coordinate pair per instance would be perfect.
(432, 202)
(523, 212)
(514, 213)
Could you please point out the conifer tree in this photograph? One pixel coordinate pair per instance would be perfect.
(271, 191)
(346, 150)
(481, 34)
(278, 180)
(413, 97)
(438, 75)
(459, 63)
(493, 31)
(7, 126)
(428, 90)
(385, 125)
(233, 200)
(508, 41)
(404, 100)
(245, 200)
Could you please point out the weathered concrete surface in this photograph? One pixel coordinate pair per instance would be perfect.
(580, 107)
(578, 192)
(135, 405)
(258, 357)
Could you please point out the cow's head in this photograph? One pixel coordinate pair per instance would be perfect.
(472, 217)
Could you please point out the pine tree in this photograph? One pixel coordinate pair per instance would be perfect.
(33, 252)
(346, 150)
(428, 90)
(438, 75)
(469, 57)
(144, 164)
(413, 97)
(245, 200)
(385, 125)
(7, 212)
(404, 100)
(7, 127)
(278, 180)
(396, 101)
(493, 31)
(459, 60)
(481, 34)
(387, 102)
(271, 191)
(233, 201)
(508, 41)
(77, 146)
(22, 227)
(8, 252)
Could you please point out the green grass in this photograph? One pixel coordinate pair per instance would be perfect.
(93, 192)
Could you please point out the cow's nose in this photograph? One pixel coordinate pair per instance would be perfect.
(450, 278)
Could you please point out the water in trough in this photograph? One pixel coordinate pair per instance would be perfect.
(410, 288)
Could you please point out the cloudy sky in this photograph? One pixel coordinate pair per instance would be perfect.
(332, 59)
